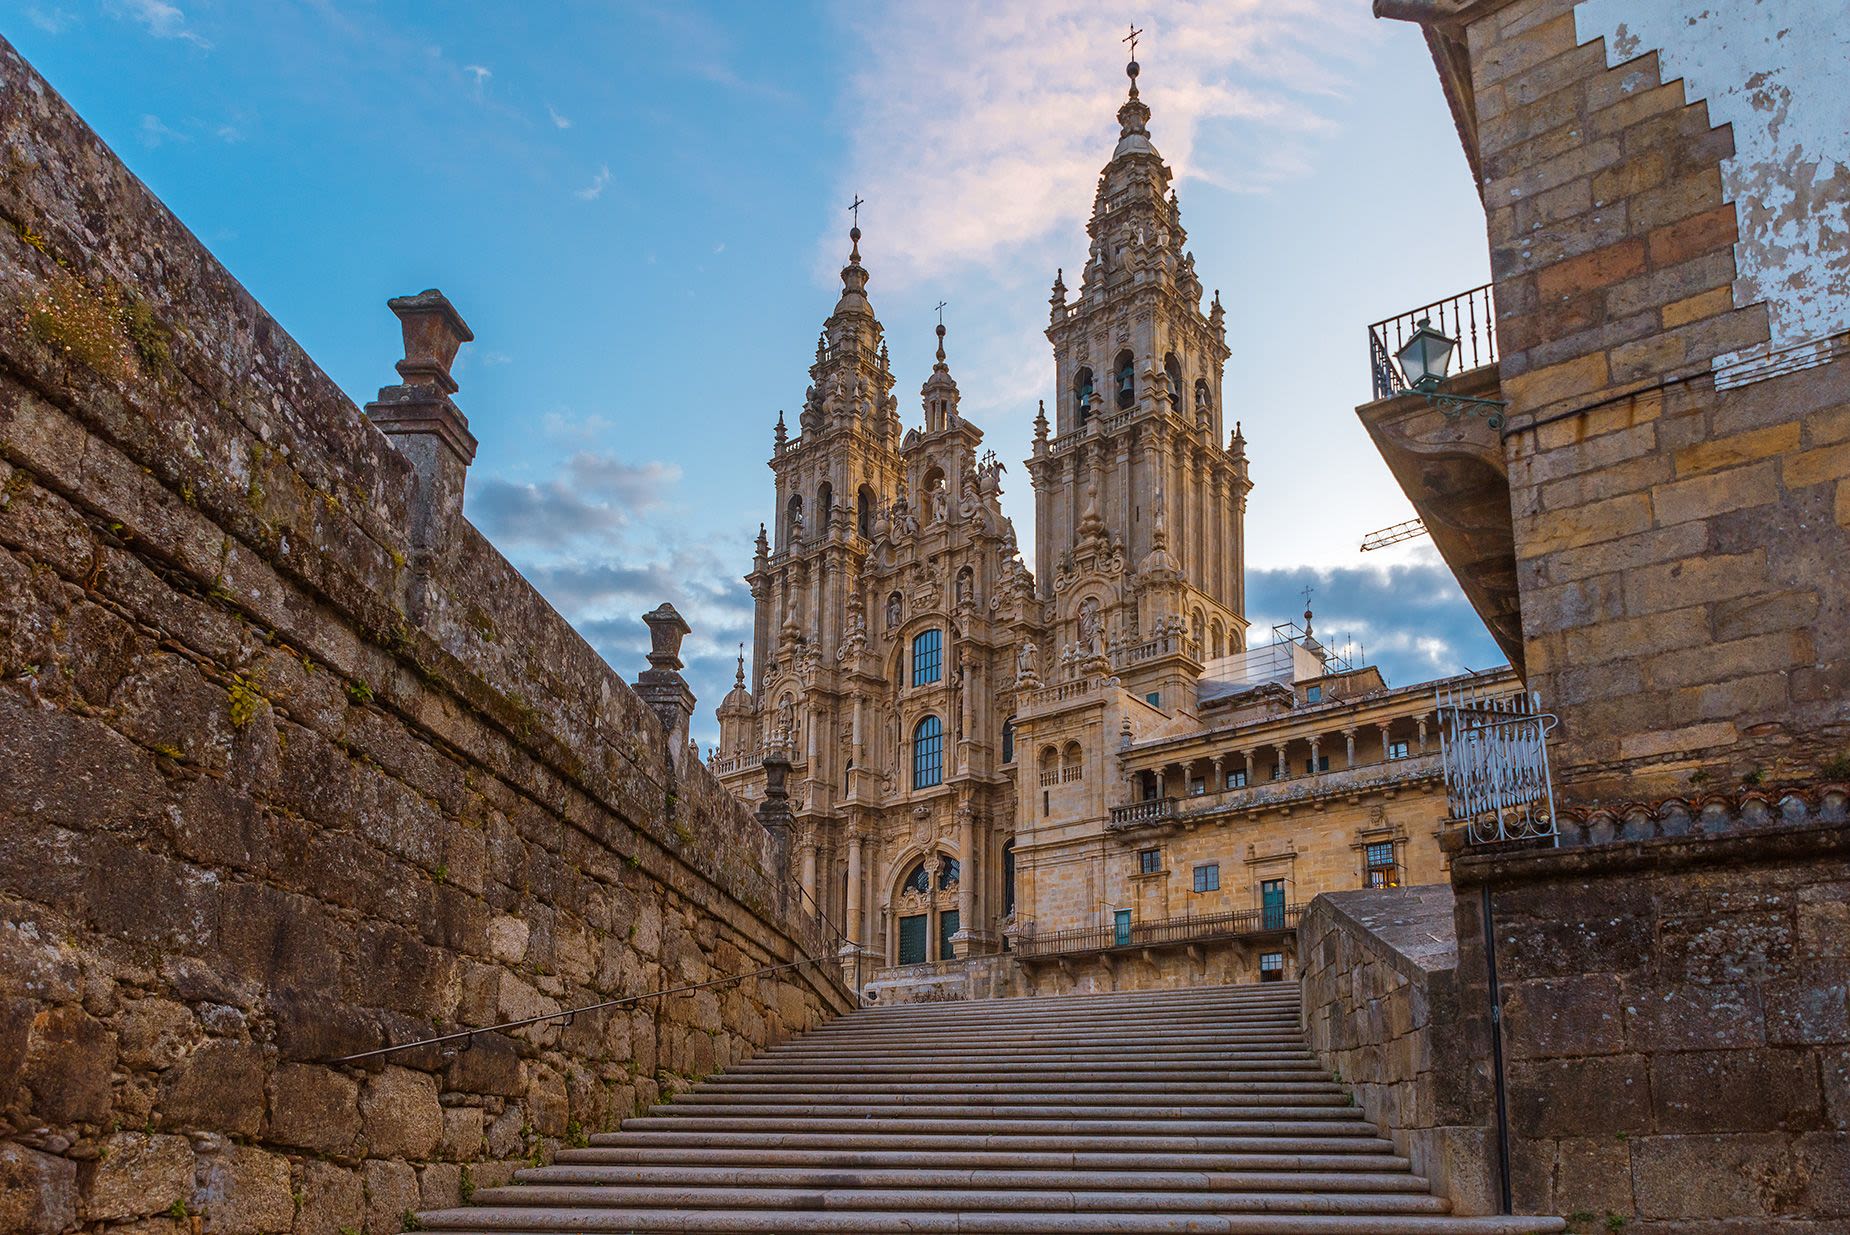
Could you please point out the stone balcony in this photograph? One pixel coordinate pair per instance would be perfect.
(1272, 795)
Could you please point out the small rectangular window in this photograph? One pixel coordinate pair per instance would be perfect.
(1207, 877)
(1149, 861)
(1197, 787)
(1154, 698)
(1313, 694)
(1397, 750)
(1383, 871)
(1271, 966)
(1320, 764)
(1236, 780)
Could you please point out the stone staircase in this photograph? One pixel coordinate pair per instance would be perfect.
(1197, 1110)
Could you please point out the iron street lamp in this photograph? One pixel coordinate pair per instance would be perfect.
(1423, 360)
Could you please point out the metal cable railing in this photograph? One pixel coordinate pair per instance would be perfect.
(467, 1036)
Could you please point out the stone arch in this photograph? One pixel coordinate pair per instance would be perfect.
(1124, 374)
(1172, 369)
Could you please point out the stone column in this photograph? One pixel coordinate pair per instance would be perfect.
(1316, 745)
(1220, 782)
(1422, 735)
(426, 427)
(661, 684)
(808, 850)
(1349, 739)
(1384, 726)
(1161, 778)
(1252, 777)
(1284, 769)
(854, 886)
(774, 814)
(966, 877)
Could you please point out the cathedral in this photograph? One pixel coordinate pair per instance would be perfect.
(1008, 779)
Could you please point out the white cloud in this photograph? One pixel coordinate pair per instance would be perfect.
(162, 20)
(591, 192)
(1003, 152)
(558, 121)
(481, 74)
(154, 132)
(51, 21)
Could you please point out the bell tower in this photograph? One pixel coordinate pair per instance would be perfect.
(1140, 496)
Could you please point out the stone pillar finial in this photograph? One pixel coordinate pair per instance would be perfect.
(666, 630)
(426, 427)
(434, 332)
(661, 685)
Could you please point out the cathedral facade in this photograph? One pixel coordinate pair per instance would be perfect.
(994, 768)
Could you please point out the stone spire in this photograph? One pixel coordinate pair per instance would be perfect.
(939, 392)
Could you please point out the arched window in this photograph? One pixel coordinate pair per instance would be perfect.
(793, 519)
(1198, 630)
(864, 512)
(1082, 398)
(928, 753)
(825, 505)
(1008, 740)
(1216, 640)
(916, 880)
(927, 656)
(1127, 379)
(949, 870)
(1073, 762)
(1049, 765)
(1172, 369)
(1204, 399)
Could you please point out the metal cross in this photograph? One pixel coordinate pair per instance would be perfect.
(859, 201)
(1131, 38)
(940, 308)
(1307, 592)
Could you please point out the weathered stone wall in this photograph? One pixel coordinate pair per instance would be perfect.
(282, 782)
(1679, 470)
(1675, 1028)
(1381, 1010)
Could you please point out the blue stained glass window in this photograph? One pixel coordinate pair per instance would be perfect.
(928, 753)
(927, 657)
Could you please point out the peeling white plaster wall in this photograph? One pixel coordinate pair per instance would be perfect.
(1779, 71)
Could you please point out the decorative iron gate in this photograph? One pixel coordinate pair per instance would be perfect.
(1494, 750)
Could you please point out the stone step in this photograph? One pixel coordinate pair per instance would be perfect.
(1337, 1124)
(1287, 1179)
(520, 1220)
(1038, 1105)
(1025, 1089)
(1284, 1022)
(1231, 1053)
(1179, 1069)
(1186, 1111)
(957, 1200)
(1326, 1139)
(1286, 1156)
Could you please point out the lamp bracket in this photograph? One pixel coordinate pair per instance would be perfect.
(1455, 406)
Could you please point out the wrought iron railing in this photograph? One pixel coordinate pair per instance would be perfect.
(1190, 928)
(1151, 810)
(1494, 751)
(1469, 317)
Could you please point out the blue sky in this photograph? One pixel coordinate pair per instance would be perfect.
(641, 208)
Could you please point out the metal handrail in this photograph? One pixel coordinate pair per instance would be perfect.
(467, 1036)
(565, 1018)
